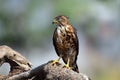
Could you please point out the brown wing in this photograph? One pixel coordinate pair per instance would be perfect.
(76, 41)
(76, 44)
(73, 57)
(55, 42)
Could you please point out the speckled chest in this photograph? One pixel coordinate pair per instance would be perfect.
(64, 38)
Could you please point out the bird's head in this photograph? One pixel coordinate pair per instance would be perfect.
(61, 20)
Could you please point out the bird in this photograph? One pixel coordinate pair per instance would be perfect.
(66, 42)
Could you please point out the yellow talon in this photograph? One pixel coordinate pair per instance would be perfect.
(56, 61)
(68, 64)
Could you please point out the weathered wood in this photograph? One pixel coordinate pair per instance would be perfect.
(18, 63)
(49, 71)
(20, 68)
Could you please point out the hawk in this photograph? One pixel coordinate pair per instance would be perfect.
(65, 42)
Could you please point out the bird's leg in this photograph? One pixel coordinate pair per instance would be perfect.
(68, 64)
(56, 61)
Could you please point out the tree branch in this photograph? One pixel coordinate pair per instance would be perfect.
(49, 71)
(21, 68)
(18, 63)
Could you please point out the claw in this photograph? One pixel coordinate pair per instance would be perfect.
(68, 64)
(56, 61)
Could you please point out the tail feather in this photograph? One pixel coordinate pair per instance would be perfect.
(75, 68)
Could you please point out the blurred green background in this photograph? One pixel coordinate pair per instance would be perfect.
(26, 26)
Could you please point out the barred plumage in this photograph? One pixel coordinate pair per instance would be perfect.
(65, 41)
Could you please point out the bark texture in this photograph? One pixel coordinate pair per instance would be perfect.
(20, 68)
